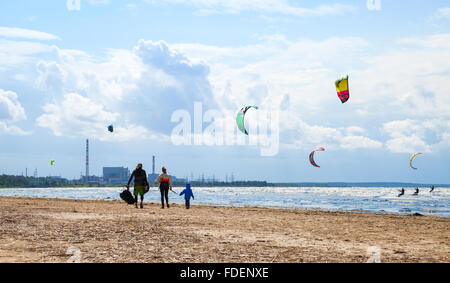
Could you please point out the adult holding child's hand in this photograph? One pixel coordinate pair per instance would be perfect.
(165, 184)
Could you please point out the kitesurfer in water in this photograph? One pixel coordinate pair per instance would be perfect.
(432, 189)
(416, 192)
(165, 184)
(402, 192)
(141, 185)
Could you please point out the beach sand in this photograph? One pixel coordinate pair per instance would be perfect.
(42, 230)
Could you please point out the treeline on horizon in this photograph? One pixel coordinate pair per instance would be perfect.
(308, 184)
(8, 181)
(225, 184)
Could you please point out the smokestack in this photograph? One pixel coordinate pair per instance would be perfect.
(87, 160)
(153, 168)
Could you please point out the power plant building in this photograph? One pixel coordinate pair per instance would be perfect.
(116, 175)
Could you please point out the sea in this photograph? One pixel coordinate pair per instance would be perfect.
(378, 200)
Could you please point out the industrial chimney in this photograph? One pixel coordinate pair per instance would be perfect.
(87, 161)
(153, 168)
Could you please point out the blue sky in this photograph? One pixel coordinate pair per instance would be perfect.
(66, 73)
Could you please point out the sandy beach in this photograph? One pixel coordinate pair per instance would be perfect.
(51, 230)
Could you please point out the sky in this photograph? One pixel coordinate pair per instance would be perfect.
(171, 75)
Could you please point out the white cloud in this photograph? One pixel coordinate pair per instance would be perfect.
(407, 144)
(52, 77)
(146, 84)
(409, 80)
(75, 5)
(10, 108)
(99, 2)
(138, 89)
(76, 115)
(354, 142)
(443, 13)
(12, 130)
(303, 135)
(284, 7)
(276, 68)
(20, 53)
(355, 130)
(11, 111)
(26, 33)
(436, 41)
(131, 7)
(410, 136)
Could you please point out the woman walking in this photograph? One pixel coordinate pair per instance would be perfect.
(165, 184)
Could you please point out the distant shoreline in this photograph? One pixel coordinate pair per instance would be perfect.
(256, 184)
(9, 181)
(325, 184)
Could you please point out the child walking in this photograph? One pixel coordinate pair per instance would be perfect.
(187, 195)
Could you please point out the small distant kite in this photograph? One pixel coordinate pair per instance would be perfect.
(311, 156)
(411, 160)
(52, 162)
(241, 117)
(342, 89)
(111, 128)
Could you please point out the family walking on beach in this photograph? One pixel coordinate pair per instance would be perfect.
(141, 187)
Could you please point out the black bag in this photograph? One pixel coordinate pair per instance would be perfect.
(127, 197)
